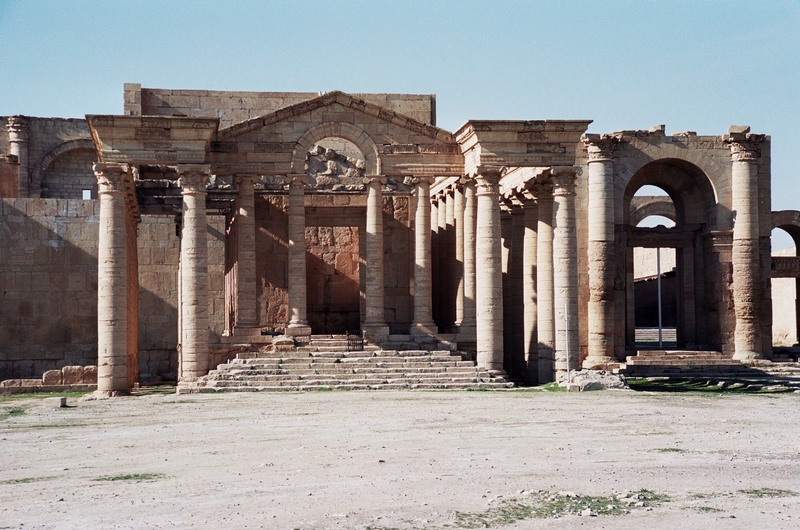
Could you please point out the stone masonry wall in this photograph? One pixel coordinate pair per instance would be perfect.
(48, 285)
(235, 107)
(69, 175)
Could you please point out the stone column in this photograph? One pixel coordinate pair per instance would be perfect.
(194, 180)
(545, 330)
(132, 219)
(467, 330)
(375, 321)
(745, 152)
(458, 269)
(246, 299)
(434, 254)
(565, 271)
(112, 281)
(451, 281)
(423, 324)
(296, 276)
(440, 287)
(529, 300)
(602, 261)
(17, 127)
(489, 279)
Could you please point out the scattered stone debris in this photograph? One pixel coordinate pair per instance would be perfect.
(587, 380)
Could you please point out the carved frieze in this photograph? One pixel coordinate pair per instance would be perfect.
(328, 169)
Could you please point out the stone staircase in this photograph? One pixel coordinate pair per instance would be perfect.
(680, 363)
(325, 364)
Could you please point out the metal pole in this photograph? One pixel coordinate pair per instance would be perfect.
(658, 273)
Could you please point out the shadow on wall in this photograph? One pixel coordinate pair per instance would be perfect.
(48, 292)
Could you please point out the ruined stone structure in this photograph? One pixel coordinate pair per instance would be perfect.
(157, 242)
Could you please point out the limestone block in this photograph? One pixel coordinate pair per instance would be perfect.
(72, 375)
(52, 377)
(89, 375)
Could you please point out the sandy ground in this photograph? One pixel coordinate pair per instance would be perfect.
(396, 459)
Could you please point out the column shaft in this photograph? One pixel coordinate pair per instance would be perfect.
(440, 287)
(296, 276)
(468, 323)
(565, 271)
(529, 300)
(544, 283)
(194, 273)
(112, 282)
(374, 321)
(602, 261)
(423, 324)
(17, 127)
(489, 280)
(745, 251)
(458, 269)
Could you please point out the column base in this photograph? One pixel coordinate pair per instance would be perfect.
(423, 329)
(375, 333)
(107, 394)
(747, 355)
(297, 329)
(599, 362)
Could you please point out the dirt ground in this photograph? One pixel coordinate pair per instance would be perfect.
(402, 460)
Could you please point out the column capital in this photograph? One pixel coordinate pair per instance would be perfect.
(194, 178)
(600, 146)
(17, 126)
(563, 178)
(745, 146)
(110, 177)
(487, 179)
(423, 180)
(374, 179)
(296, 179)
(245, 179)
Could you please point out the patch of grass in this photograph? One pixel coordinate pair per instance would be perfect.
(26, 480)
(543, 505)
(768, 492)
(179, 402)
(670, 450)
(703, 509)
(552, 387)
(12, 412)
(134, 477)
(41, 395)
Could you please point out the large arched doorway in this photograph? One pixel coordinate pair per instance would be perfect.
(334, 234)
(669, 205)
(785, 276)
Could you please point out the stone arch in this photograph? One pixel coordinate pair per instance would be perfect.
(47, 160)
(788, 220)
(644, 207)
(689, 188)
(336, 129)
(634, 155)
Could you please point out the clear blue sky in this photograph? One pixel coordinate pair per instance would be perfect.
(627, 64)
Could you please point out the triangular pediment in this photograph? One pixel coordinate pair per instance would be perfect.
(370, 112)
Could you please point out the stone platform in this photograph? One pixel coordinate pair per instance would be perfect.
(694, 364)
(325, 364)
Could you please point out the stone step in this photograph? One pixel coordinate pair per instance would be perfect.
(361, 386)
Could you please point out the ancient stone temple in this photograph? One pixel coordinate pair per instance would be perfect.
(201, 225)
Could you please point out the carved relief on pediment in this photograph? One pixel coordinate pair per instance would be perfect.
(328, 169)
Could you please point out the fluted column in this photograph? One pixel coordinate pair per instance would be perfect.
(602, 260)
(194, 181)
(112, 281)
(17, 127)
(296, 275)
(423, 324)
(745, 152)
(375, 321)
(489, 279)
(529, 297)
(467, 330)
(545, 326)
(132, 219)
(246, 299)
(565, 271)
